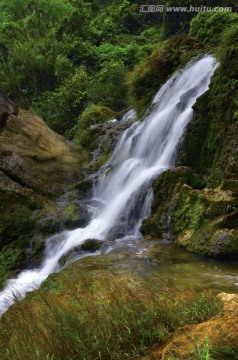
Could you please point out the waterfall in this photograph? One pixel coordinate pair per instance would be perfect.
(123, 192)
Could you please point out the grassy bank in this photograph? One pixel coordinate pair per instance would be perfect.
(98, 319)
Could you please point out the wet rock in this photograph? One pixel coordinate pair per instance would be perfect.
(101, 139)
(66, 259)
(62, 215)
(91, 245)
(83, 187)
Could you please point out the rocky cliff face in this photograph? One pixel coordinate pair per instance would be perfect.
(200, 212)
(37, 166)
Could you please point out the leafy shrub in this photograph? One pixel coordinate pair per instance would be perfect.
(95, 114)
(62, 107)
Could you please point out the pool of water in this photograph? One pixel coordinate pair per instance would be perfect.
(177, 267)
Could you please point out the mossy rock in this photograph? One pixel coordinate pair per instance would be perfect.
(10, 262)
(202, 220)
(206, 221)
(230, 181)
(83, 187)
(188, 210)
(96, 114)
(16, 221)
(66, 214)
(212, 240)
(35, 158)
(88, 138)
(91, 245)
(165, 188)
(24, 252)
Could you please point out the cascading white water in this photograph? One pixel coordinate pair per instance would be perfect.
(123, 193)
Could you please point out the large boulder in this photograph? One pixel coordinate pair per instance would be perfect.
(35, 157)
(37, 167)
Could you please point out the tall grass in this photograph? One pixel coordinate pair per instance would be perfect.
(100, 321)
(225, 347)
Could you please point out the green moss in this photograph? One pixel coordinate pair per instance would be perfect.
(212, 240)
(87, 135)
(72, 214)
(82, 186)
(166, 188)
(188, 211)
(10, 260)
(16, 219)
(12, 257)
(96, 114)
(214, 128)
(96, 165)
(88, 138)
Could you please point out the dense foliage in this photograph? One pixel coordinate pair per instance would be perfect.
(57, 57)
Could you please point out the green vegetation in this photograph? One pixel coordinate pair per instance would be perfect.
(97, 318)
(214, 124)
(225, 348)
(208, 27)
(16, 226)
(59, 57)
